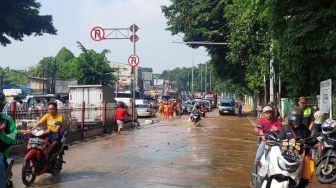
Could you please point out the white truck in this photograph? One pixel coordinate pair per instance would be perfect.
(94, 97)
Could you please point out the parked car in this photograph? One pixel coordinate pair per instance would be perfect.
(227, 106)
(141, 101)
(145, 110)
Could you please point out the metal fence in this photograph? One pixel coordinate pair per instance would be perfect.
(80, 122)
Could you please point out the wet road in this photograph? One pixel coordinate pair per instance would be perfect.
(171, 153)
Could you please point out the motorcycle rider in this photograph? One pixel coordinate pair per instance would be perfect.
(53, 122)
(264, 124)
(196, 109)
(297, 130)
(8, 133)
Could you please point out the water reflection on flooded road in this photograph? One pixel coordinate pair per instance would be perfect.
(171, 153)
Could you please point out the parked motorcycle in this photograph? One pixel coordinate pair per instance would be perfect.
(326, 155)
(35, 162)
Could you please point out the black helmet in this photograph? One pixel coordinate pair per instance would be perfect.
(295, 115)
(2, 100)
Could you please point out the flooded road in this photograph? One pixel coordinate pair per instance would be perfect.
(171, 153)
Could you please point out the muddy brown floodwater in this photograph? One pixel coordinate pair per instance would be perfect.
(171, 153)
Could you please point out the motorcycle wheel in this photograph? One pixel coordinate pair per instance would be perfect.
(326, 173)
(28, 174)
(58, 164)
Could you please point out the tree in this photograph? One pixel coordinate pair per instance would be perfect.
(298, 36)
(66, 64)
(14, 76)
(203, 20)
(305, 44)
(19, 18)
(94, 68)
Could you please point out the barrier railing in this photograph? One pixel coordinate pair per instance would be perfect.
(80, 121)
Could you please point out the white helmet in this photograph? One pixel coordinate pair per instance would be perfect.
(328, 127)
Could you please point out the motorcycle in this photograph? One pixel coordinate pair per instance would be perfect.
(326, 159)
(35, 162)
(256, 179)
(195, 117)
(281, 164)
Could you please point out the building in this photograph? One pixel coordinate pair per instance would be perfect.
(40, 85)
(124, 77)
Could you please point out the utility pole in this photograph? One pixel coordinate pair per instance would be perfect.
(192, 75)
(1, 82)
(117, 81)
(133, 29)
(43, 78)
(206, 79)
(201, 78)
(271, 80)
(210, 78)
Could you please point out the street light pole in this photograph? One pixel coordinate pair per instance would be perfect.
(133, 71)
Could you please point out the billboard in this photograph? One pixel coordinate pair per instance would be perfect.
(325, 96)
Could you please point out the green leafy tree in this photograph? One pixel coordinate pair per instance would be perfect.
(94, 68)
(299, 36)
(13, 76)
(19, 18)
(66, 64)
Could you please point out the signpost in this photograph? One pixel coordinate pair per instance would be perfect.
(98, 34)
(133, 60)
(326, 97)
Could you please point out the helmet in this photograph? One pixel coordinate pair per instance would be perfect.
(295, 115)
(2, 100)
(328, 127)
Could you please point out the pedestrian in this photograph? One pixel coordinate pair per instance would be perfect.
(59, 102)
(165, 110)
(38, 104)
(178, 109)
(160, 108)
(45, 103)
(318, 120)
(119, 115)
(266, 123)
(308, 116)
(240, 109)
(170, 110)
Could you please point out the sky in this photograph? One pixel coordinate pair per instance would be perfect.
(74, 19)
